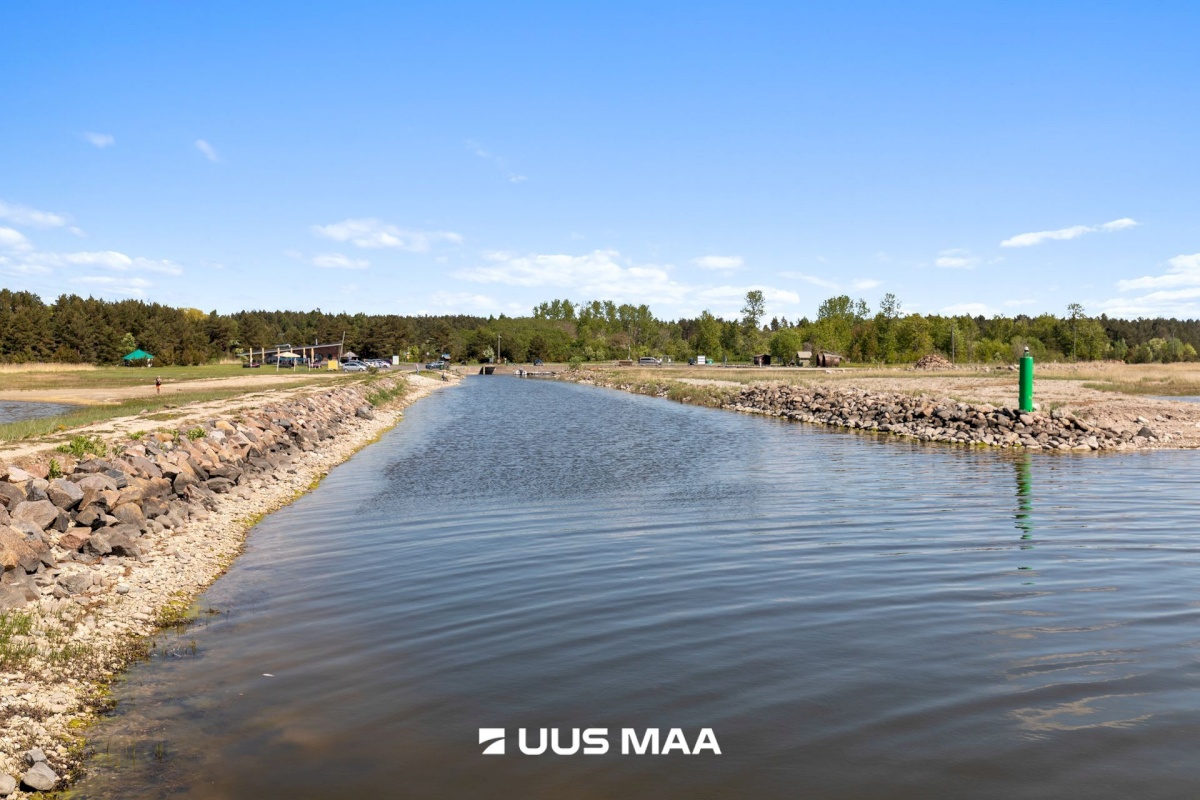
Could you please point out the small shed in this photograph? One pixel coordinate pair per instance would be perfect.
(762, 360)
(136, 356)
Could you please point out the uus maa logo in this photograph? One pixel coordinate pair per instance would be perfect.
(594, 741)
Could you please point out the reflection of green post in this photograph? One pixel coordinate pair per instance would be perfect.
(1027, 381)
(1024, 498)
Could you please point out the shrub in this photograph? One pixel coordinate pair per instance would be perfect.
(82, 445)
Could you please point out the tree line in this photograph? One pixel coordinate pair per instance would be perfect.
(76, 329)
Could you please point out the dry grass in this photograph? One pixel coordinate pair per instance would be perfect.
(121, 377)
(39, 367)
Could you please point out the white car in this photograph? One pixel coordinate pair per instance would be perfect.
(354, 366)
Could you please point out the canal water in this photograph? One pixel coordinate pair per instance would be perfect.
(14, 411)
(853, 617)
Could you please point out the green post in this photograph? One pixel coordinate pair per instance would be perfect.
(1027, 381)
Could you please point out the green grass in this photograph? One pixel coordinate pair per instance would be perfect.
(87, 415)
(1166, 387)
(380, 395)
(14, 624)
(81, 446)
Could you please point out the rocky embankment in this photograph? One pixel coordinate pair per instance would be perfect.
(919, 417)
(98, 552)
(931, 420)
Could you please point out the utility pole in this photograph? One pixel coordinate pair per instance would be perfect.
(497, 348)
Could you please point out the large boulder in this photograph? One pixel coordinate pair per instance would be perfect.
(115, 541)
(93, 465)
(154, 507)
(11, 494)
(15, 596)
(17, 551)
(96, 480)
(39, 778)
(42, 513)
(64, 494)
(130, 514)
(91, 517)
(219, 485)
(74, 539)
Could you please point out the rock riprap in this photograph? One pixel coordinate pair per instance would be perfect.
(90, 558)
(933, 420)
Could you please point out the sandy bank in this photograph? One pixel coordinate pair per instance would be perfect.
(96, 561)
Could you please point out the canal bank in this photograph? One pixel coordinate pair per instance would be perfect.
(101, 550)
(852, 618)
(1154, 424)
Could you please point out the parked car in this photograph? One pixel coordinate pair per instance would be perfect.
(436, 365)
(354, 366)
(251, 365)
(537, 362)
(649, 361)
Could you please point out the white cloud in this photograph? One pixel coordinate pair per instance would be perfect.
(501, 163)
(970, 309)
(101, 140)
(722, 263)
(31, 217)
(21, 269)
(727, 301)
(1181, 271)
(373, 233)
(957, 258)
(1174, 293)
(600, 274)
(1119, 224)
(12, 239)
(135, 287)
(813, 279)
(465, 301)
(339, 261)
(208, 150)
(1020, 303)
(107, 259)
(1074, 232)
(858, 284)
(607, 275)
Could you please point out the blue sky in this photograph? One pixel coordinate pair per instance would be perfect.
(479, 158)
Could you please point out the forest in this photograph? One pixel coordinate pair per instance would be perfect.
(76, 329)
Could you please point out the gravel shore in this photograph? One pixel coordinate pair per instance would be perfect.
(110, 566)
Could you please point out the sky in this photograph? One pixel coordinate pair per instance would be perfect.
(449, 157)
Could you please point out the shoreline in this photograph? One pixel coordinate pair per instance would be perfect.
(927, 417)
(95, 612)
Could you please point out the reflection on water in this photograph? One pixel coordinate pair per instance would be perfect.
(854, 617)
(14, 411)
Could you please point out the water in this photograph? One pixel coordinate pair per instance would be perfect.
(17, 411)
(853, 617)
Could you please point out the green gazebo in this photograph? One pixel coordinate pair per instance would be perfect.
(137, 355)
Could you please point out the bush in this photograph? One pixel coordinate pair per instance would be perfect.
(195, 433)
(81, 446)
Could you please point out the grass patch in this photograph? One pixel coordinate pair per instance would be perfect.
(81, 446)
(1164, 386)
(379, 396)
(89, 415)
(15, 651)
